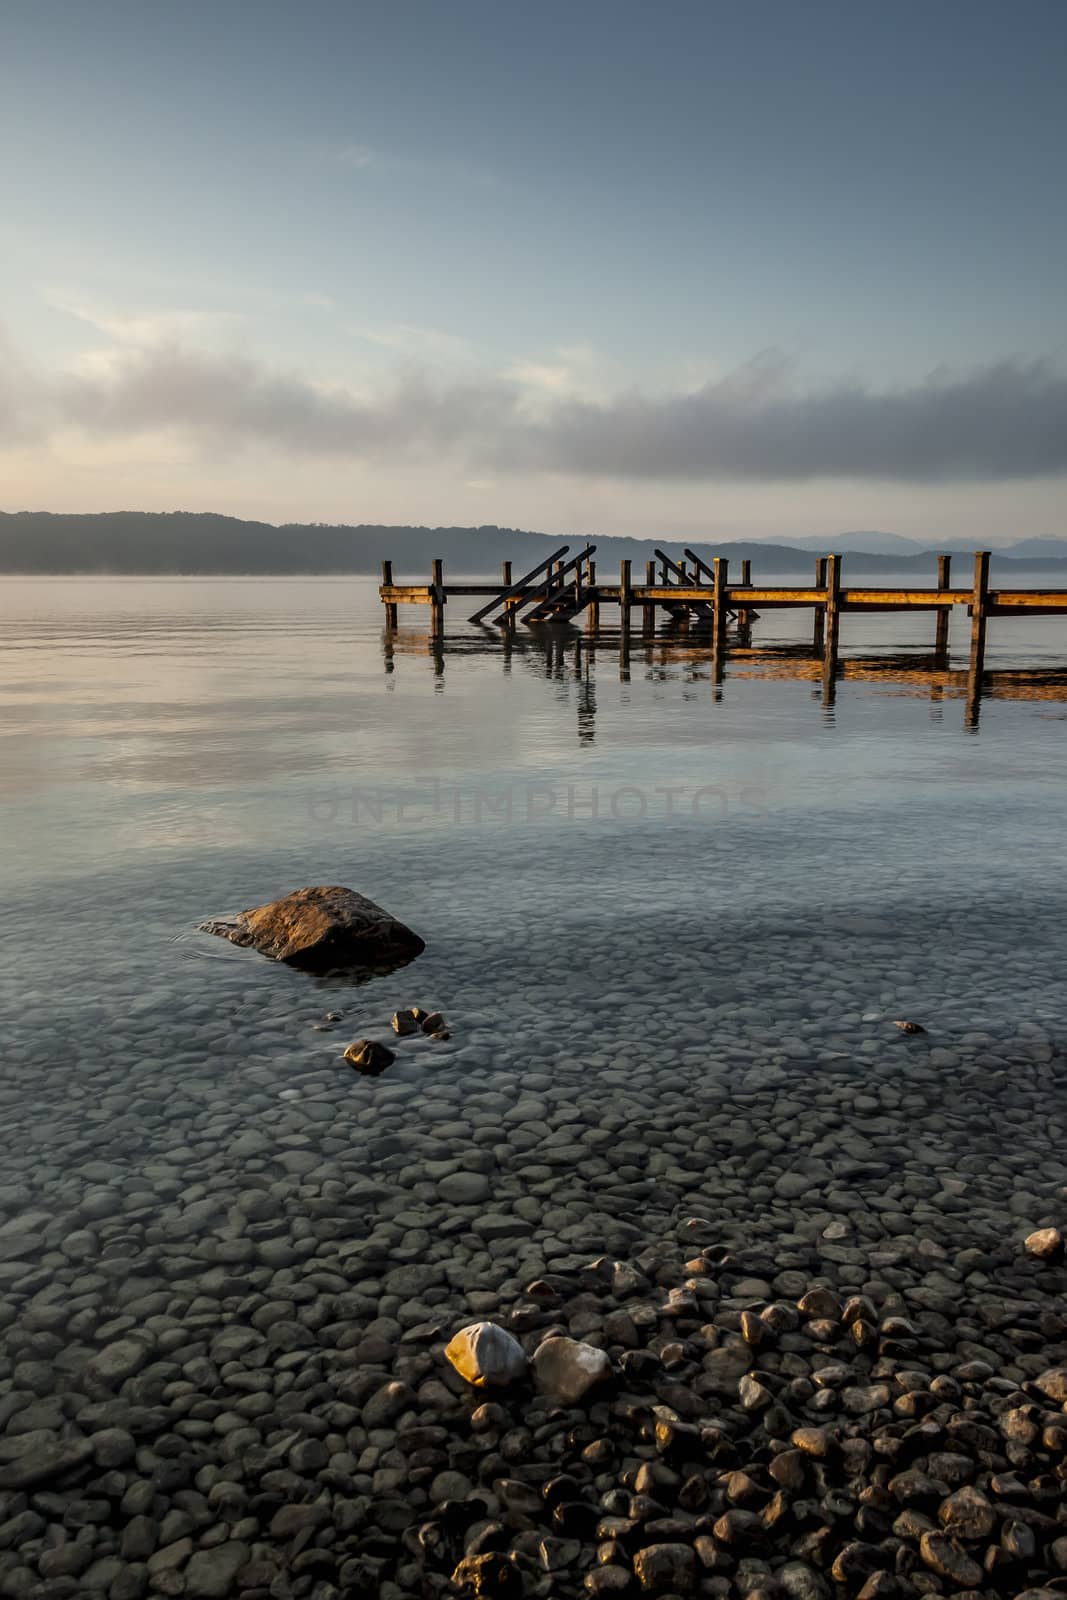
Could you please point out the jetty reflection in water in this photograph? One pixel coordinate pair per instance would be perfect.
(565, 655)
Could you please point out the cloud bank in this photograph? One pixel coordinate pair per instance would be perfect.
(760, 423)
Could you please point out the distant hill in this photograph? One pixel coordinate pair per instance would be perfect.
(204, 542)
(895, 544)
(869, 543)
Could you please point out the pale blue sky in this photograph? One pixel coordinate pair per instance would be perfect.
(483, 262)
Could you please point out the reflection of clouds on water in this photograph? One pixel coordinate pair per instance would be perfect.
(158, 719)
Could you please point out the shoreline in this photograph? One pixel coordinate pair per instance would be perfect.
(777, 1423)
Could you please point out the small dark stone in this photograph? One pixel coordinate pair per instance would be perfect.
(880, 1586)
(815, 1442)
(948, 1558)
(737, 1527)
(967, 1514)
(665, 1568)
(754, 1330)
(1017, 1541)
(608, 1580)
(858, 1560)
(558, 1489)
(677, 1441)
(820, 1304)
(490, 1537)
(576, 1519)
(369, 1057)
(789, 1469)
(491, 1576)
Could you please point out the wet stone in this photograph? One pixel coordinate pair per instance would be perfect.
(1046, 1244)
(210, 1574)
(490, 1576)
(567, 1369)
(369, 1056)
(948, 1558)
(665, 1568)
(38, 1458)
(859, 1401)
(967, 1514)
(464, 1188)
(117, 1362)
(386, 1403)
(1053, 1384)
(608, 1580)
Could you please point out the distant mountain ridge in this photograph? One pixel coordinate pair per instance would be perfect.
(186, 542)
(876, 543)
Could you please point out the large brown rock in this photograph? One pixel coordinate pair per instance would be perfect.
(327, 926)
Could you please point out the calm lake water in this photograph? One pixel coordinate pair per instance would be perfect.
(618, 870)
(191, 742)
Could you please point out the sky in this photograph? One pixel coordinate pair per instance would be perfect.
(708, 269)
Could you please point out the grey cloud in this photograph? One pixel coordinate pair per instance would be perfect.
(237, 399)
(21, 416)
(1006, 421)
(1002, 422)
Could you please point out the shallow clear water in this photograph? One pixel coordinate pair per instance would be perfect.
(648, 901)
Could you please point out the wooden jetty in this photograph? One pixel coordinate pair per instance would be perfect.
(696, 593)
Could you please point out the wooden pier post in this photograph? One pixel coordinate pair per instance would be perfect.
(593, 618)
(718, 603)
(390, 605)
(648, 610)
(718, 619)
(833, 601)
(744, 616)
(625, 587)
(979, 603)
(507, 619)
(819, 629)
(437, 604)
(833, 618)
(944, 576)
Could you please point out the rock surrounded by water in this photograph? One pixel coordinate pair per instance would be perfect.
(324, 926)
